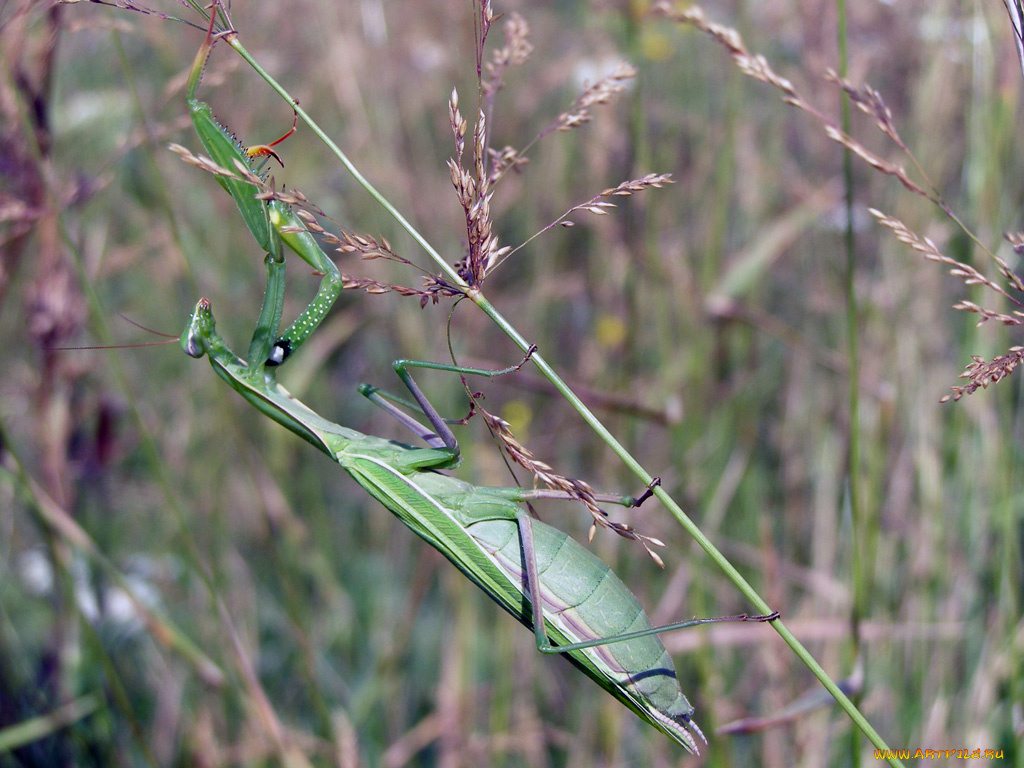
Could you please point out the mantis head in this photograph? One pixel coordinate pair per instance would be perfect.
(200, 331)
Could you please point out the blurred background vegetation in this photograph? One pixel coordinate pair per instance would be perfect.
(704, 321)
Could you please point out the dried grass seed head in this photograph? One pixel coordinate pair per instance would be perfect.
(600, 92)
(514, 52)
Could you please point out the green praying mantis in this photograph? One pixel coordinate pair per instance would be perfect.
(573, 602)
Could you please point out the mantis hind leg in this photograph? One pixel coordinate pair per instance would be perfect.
(525, 524)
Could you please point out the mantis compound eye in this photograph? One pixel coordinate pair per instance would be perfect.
(193, 347)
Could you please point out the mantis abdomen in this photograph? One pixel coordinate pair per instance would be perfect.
(583, 599)
(481, 530)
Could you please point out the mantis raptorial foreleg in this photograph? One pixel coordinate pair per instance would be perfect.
(271, 223)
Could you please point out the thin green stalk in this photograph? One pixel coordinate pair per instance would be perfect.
(859, 562)
(480, 300)
(853, 343)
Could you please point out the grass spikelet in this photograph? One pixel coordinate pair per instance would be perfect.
(965, 272)
(578, 489)
(601, 92)
(514, 52)
(983, 372)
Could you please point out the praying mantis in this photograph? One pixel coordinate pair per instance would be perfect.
(575, 605)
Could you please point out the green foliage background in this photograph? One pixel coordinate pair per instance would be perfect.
(704, 321)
